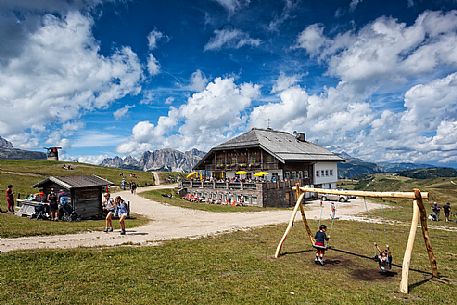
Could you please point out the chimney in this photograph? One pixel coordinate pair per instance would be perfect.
(300, 136)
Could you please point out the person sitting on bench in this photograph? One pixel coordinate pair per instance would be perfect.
(319, 245)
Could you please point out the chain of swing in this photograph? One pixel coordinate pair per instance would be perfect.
(366, 209)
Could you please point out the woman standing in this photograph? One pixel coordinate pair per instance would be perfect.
(108, 208)
(121, 212)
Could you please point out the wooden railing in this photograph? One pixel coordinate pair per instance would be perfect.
(242, 185)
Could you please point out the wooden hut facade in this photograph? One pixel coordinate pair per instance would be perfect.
(85, 192)
(283, 158)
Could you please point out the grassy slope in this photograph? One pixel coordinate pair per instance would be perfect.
(234, 268)
(24, 174)
(170, 177)
(27, 173)
(156, 195)
(440, 190)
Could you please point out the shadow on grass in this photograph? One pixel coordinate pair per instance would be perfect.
(296, 252)
(371, 258)
(411, 287)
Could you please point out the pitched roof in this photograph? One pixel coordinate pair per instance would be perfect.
(70, 182)
(282, 145)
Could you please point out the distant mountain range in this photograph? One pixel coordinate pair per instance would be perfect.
(167, 159)
(354, 167)
(8, 152)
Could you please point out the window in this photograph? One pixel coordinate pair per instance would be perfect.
(322, 173)
(317, 173)
(331, 172)
(326, 172)
(305, 174)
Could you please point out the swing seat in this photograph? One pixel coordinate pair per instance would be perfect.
(385, 266)
(317, 247)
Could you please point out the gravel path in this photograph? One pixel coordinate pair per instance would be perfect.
(170, 222)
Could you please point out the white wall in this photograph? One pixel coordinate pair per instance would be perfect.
(327, 181)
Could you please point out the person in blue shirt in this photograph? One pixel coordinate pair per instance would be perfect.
(109, 208)
(321, 237)
(122, 212)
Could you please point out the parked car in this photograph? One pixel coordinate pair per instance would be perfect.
(332, 197)
(349, 196)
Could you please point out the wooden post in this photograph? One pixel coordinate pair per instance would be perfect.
(303, 215)
(409, 248)
(289, 226)
(308, 230)
(425, 234)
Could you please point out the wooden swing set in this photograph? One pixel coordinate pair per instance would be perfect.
(419, 214)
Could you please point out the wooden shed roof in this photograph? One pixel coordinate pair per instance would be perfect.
(73, 182)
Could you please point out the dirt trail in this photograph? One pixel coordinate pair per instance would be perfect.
(170, 222)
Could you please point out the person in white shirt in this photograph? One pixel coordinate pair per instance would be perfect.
(108, 207)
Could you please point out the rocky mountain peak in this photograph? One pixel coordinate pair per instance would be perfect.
(5, 143)
(166, 159)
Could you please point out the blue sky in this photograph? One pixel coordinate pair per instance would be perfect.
(104, 78)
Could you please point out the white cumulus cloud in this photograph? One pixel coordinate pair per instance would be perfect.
(208, 117)
(37, 90)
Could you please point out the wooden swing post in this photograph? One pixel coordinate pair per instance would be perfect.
(289, 226)
(298, 191)
(409, 249)
(425, 233)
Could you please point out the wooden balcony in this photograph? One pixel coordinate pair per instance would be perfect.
(242, 185)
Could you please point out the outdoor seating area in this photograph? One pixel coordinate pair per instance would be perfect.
(219, 198)
(65, 198)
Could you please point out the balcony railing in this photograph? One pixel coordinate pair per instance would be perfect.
(242, 185)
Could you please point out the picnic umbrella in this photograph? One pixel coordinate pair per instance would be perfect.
(191, 175)
(241, 173)
(260, 174)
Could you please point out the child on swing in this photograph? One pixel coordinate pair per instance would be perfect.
(320, 237)
(384, 258)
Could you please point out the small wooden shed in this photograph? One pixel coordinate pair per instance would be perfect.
(85, 192)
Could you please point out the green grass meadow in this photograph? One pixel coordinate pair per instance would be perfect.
(239, 268)
(24, 174)
(440, 190)
(236, 268)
